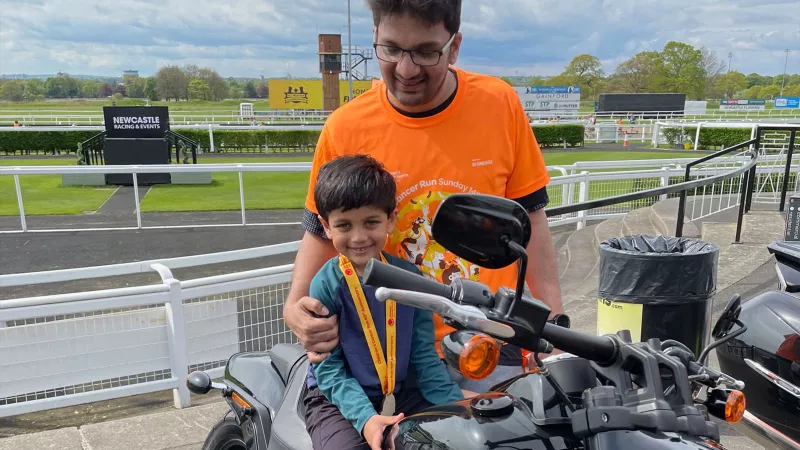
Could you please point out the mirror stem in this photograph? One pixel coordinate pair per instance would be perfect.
(721, 341)
(523, 267)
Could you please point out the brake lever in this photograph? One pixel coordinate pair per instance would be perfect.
(468, 316)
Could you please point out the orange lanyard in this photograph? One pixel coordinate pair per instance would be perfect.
(386, 369)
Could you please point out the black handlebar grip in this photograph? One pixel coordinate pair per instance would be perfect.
(596, 348)
(378, 274)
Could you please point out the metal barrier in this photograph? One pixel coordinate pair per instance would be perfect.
(76, 348)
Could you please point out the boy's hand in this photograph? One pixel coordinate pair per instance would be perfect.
(373, 430)
(318, 335)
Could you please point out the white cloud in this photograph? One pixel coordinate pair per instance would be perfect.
(272, 37)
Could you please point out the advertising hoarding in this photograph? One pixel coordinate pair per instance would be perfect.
(307, 94)
(735, 104)
(787, 102)
(550, 98)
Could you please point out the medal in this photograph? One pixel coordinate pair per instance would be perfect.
(385, 368)
(388, 407)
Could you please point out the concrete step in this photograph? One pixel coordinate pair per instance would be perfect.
(582, 256)
(608, 229)
(721, 234)
(665, 215)
(639, 221)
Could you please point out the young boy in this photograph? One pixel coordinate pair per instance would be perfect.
(368, 382)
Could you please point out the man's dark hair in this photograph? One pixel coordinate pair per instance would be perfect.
(430, 12)
(351, 182)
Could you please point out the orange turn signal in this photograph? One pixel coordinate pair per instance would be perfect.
(735, 406)
(479, 357)
(239, 400)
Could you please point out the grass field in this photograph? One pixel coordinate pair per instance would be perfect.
(43, 194)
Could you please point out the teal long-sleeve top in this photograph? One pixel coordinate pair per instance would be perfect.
(347, 378)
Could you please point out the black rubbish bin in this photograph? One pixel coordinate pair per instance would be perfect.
(657, 287)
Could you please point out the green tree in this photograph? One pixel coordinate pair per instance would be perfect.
(639, 73)
(683, 70)
(249, 90)
(13, 90)
(62, 86)
(585, 71)
(90, 89)
(150, 90)
(171, 83)
(217, 85)
(731, 83)
(135, 89)
(508, 80)
(768, 92)
(34, 90)
(199, 90)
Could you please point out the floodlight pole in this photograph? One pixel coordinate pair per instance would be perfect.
(349, 55)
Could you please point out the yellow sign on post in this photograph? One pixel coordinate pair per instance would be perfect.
(307, 94)
(613, 316)
(359, 87)
(295, 94)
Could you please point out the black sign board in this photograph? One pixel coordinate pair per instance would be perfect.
(793, 219)
(136, 121)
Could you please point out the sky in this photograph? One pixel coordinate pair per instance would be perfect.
(273, 38)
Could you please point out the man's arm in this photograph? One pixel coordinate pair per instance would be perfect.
(542, 270)
(317, 335)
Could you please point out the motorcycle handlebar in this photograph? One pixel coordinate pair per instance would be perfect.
(600, 349)
(596, 348)
(379, 274)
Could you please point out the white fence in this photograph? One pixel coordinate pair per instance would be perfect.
(575, 183)
(77, 348)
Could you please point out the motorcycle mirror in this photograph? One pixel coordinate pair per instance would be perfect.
(478, 228)
(728, 317)
(199, 382)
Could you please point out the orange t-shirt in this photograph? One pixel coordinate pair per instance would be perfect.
(481, 143)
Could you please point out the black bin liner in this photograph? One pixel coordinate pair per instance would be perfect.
(658, 287)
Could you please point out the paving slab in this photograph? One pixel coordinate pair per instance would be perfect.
(62, 439)
(178, 429)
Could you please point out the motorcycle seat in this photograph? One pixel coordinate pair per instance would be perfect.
(285, 358)
(787, 255)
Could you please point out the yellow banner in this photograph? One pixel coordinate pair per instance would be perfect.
(307, 94)
(614, 316)
(359, 87)
(295, 94)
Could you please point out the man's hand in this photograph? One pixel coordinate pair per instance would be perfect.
(318, 335)
(373, 430)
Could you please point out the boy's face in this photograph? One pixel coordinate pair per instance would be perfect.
(359, 234)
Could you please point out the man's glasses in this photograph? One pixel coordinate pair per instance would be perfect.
(393, 54)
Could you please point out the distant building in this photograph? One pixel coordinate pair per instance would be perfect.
(130, 73)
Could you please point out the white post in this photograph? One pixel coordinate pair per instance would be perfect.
(241, 196)
(583, 195)
(176, 337)
(136, 197)
(19, 203)
(211, 138)
(664, 182)
(350, 55)
(697, 136)
(656, 131)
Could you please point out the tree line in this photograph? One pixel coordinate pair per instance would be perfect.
(189, 82)
(677, 68)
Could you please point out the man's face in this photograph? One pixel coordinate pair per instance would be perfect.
(415, 85)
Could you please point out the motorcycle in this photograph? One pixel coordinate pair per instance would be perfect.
(604, 392)
(766, 356)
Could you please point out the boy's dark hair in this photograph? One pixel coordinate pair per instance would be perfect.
(430, 12)
(350, 182)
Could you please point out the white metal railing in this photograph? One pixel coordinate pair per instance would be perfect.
(76, 348)
(67, 117)
(570, 184)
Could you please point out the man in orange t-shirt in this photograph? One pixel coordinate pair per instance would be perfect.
(440, 130)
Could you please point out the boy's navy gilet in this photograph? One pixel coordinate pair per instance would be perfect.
(351, 335)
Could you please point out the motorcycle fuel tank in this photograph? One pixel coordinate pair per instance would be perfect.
(772, 340)
(524, 413)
